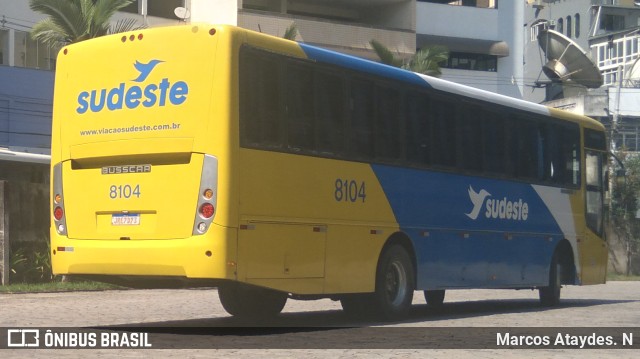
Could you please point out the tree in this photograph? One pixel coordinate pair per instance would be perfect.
(425, 61)
(71, 21)
(624, 207)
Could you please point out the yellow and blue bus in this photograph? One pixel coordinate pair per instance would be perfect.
(217, 156)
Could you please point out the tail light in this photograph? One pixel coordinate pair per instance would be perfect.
(207, 196)
(57, 205)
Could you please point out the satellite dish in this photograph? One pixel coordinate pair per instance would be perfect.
(567, 61)
(182, 12)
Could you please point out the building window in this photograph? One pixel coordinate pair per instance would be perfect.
(158, 8)
(30, 53)
(612, 22)
(491, 4)
(560, 25)
(25, 51)
(537, 28)
(468, 61)
(4, 47)
(577, 25)
(569, 27)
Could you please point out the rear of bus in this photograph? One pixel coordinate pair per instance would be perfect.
(140, 156)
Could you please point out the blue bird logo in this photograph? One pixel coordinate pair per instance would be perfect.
(477, 198)
(145, 69)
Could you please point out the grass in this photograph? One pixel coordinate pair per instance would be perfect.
(56, 287)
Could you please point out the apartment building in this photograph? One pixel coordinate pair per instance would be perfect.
(493, 45)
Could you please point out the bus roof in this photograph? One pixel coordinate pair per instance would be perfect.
(375, 68)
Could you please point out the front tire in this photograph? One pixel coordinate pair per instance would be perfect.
(395, 283)
(248, 302)
(550, 295)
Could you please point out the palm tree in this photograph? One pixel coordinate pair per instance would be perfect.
(425, 61)
(291, 32)
(72, 21)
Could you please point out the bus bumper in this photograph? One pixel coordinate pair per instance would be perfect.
(212, 256)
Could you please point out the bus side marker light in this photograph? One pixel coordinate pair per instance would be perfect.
(57, 199)
(212, 32)
(208, 193)
(65, 249)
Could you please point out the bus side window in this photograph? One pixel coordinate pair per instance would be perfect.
(469, 138)
(571, 155)
(443, 140)
(561, 159)
(260, 98)
(361, 126)
(300, 108)
(526, 146)
(418, 128)
(330, 106)
(494, 138)
(595, 189)
(387, 124)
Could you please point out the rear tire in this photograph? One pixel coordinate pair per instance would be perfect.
(395, 284)
(248, 302)
(550, 295)
(434, 298)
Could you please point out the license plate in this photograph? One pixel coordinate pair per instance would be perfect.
(125, 219)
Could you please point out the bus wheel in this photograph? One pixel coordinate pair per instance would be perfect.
(434, 298)
(249, 302)
(550, 295)
(394, 283)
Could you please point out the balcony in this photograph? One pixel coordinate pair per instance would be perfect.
(348, 35)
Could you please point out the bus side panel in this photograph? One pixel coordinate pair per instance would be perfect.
(475, 232)
(302, 209)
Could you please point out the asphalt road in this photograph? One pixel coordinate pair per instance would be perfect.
(313, 329)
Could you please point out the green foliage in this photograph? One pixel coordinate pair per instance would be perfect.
(57, 286)
(624, 207)
(625, 196)
(425, 61)
(70, 21)
(30, 263)
(385, 55)
(291, 33)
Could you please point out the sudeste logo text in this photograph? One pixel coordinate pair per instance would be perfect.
(516, 210)
(133, 96)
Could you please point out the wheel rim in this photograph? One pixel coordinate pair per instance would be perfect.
(396, 283)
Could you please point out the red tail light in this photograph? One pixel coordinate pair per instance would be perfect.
(207, 210)
(58, 213)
